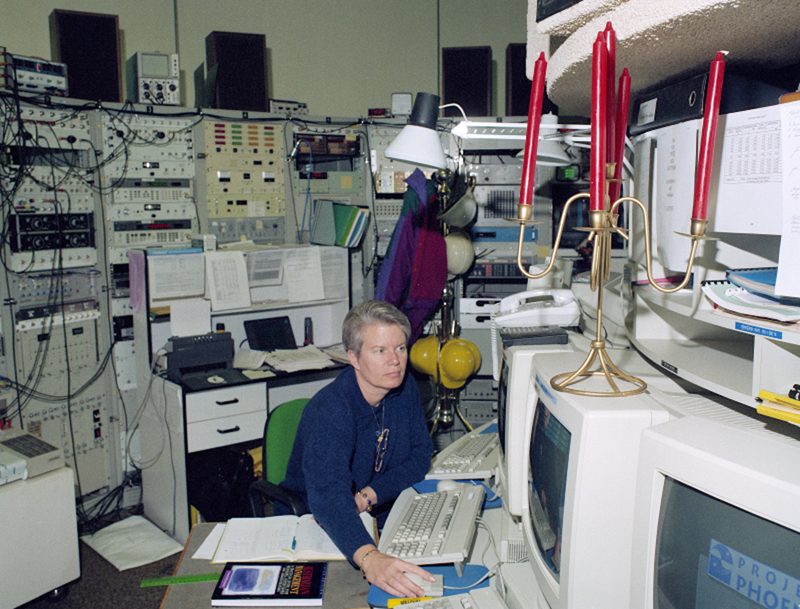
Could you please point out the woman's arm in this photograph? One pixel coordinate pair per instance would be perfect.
(387, 572)
(328, 477)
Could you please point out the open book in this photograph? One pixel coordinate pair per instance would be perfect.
(278, 539)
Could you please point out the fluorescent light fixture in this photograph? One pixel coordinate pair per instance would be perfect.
(418, 143)
(550, 151)
(472, 130)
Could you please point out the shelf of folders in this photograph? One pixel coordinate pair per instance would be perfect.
(337, 223)
(751, 292)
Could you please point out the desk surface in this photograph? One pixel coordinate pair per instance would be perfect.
(345, 588)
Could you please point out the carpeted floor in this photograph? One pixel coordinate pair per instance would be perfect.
(102, 585)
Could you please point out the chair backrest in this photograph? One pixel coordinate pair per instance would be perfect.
(279, 433)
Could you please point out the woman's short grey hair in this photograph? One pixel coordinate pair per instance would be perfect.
(366, 314)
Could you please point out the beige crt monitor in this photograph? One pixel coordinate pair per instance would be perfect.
(581, 478)
(716, 520)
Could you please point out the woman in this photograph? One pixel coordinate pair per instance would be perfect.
(362, 440)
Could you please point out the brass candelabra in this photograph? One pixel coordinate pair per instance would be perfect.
(603, 224)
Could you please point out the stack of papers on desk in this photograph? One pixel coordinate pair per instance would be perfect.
(292, 360)
(287, 360)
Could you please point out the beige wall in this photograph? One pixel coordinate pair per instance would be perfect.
(341, 57)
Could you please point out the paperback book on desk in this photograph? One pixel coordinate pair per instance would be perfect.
(264, 585)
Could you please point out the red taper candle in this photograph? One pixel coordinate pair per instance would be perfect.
(621, 128)
(597, 169)
(532, 134)
(611, 103)
(705, 159)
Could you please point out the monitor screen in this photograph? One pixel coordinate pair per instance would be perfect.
(502, 403)
(714, 555)
(515, 408)
(270, 333)
(716, 521)
(154, 65)
(549, 456)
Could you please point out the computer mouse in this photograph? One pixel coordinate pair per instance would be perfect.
(447, 485)
(432, 589)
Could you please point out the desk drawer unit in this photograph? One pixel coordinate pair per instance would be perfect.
(222, 417)
(225, 431)
(239, 399)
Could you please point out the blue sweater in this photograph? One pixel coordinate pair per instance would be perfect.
(334, 455)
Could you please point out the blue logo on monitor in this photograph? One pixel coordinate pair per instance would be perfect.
(762, 584)
(720, 562)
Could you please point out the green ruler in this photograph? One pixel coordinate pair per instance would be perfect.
(179, 579)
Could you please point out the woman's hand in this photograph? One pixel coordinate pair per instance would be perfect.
(365, 499)
(388, 572)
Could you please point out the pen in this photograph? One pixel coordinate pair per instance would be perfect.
(294, 543)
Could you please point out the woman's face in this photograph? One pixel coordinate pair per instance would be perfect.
(381, 365)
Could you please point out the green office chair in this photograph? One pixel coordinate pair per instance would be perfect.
(279, 432)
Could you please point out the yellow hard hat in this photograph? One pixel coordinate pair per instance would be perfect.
(424, 356)
(458, 361)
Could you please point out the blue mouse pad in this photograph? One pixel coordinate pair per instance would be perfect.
(490, 501)
(472, 573)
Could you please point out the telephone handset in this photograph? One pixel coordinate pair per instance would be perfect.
(528, 308)
(534, 308)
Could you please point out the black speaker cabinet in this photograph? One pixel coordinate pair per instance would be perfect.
(89, 44)
(237, 71)
(518, 86)
(467, 80)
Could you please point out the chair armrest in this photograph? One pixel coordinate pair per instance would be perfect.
(261, 490)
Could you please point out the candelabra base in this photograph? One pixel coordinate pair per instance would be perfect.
(609, 370)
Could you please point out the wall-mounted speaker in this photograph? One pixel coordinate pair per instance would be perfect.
(237, 71)
(89, 44)
(467, 80)
(518, 87)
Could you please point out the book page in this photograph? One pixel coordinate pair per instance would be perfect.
(334, 273)
(788, 281)
(314, 542)
(303, 273)
(227, 280)
(265, 267)
(749, 164)
(176, 276)
(675, 159)
(253, 539)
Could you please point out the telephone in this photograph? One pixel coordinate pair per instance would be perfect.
(541, 307)
(533, 308)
